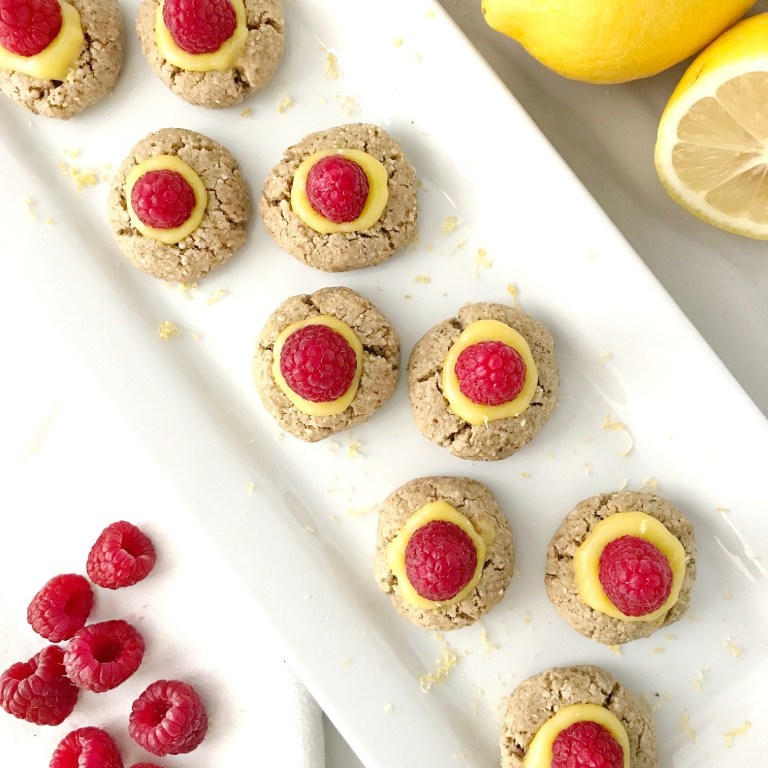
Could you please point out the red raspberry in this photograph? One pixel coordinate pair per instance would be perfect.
(634, 575)
(28, 27)
(337, 188)
(145, 765)
(61, 607)
(440, 560)
(199, 26)
(101, 656)
(586, 745)
(168, 718)
(318, 363)
(86, 748)
(38, 690)
(490, 373)
(121, 556)
(162, 199)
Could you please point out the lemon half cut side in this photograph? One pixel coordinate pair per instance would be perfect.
(712, 145)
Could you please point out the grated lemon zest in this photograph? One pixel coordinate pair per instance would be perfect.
(215, 297)
(610, 424)
(285, 104)
(449, 224)
(168, 329)
(443, 665)
(734, 732)
(426, 279)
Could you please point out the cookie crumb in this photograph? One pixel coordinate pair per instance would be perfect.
(449, 224)
(525, 474)
(734, 732)
(684, 726)
(425, 279)
(488, 647)
(350, 106)
(443, 666)
(332, 71)
(248, 112)
(735, 650)
(82, 177)
(214, 297)
(187, 289)
(616, 649)
(650, 484)
(481, 262)
(352, 450)
(610, 424)
(659, 649)
(167, 329)
(285, 104)
(727, 594)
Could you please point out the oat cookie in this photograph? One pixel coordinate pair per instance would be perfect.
(497, 438)
(91, 78)
(338, 251)
(221, 88)
(380, 361)
(473, 500)
(222, 228)
(538, 698)
(560, 580)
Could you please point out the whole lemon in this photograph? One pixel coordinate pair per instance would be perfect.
(612, 41)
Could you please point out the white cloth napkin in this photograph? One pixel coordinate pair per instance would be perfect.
(70, 466)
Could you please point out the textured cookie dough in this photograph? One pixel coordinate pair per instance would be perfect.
(381, 361)
(560, 579)
(222, 230)
(539, 697)
(338, 252)
(93, 74)
(217, 89)
(477, 503)
(498, 438)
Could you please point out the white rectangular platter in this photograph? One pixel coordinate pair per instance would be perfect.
(645, 403)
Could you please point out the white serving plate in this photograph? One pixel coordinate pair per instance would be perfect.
(282, 511)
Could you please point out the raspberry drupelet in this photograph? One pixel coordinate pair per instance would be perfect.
(86, 748)
(490, 373)
(61, 607)
(199, 26)
(39, 690)
(440, 560)
(586, 745)
(28, 27)
(121, 556)
(163, 199)
(635, 575)
(337, 188)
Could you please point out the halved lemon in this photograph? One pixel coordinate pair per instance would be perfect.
(712, 145)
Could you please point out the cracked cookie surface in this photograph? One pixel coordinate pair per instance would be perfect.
(339, 252)
(499, 438)
(217, 89)
(538, 698)
(380, 365)
(92, 76)
(474, 501)
(222, 229)
(560, 578)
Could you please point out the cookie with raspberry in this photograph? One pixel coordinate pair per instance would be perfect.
(342, 199)
(576, 716)
(213, 53)
(59, 75)
(483, 384)
(616, 582)
(325, 362)
(444, 551)
(179, 205)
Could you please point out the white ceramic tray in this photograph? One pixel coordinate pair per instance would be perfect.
(288, 516)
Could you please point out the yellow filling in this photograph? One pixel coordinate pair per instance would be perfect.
(435, 510)
(586, 560)
(460, 404)
(222, 59)
(539, 754)
(378, 193)
(55, 61)
(332, 407)
(168, 163)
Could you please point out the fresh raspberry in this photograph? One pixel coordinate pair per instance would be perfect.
(490, 373)
(635, 576)
(168, 718)
(28, 27)
(440, 560)
(318, 363)
(145, 765)
(162, 199)
(121, 556)
(61, 607)
(199, 26)
(101, 656)
(86, 748)
(337, 188)
(38, 690)
(586, 745)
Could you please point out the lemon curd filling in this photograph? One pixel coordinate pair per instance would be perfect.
(460, 404)
(435, 510)
(168, 163)
(220, 60)
(539, 754)
(332, 407)
(586, 560)
(378, 193)
(55, 61)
